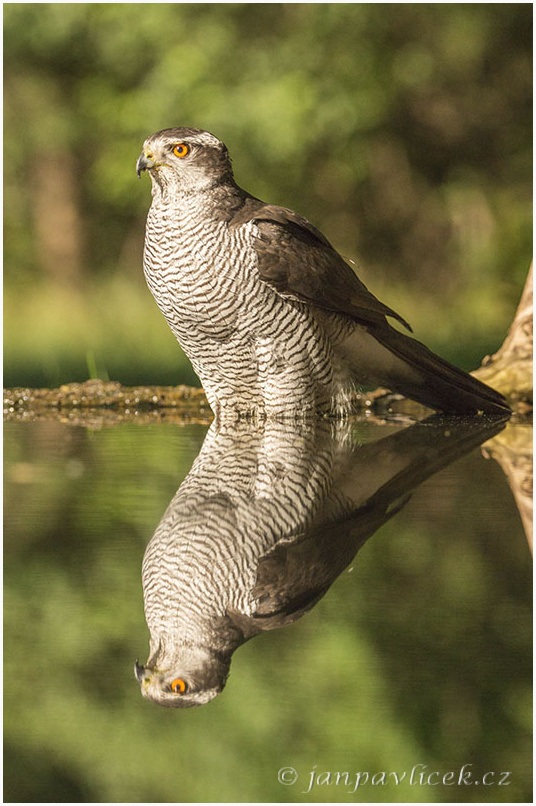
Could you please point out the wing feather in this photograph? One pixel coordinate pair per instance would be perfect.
(296, 260)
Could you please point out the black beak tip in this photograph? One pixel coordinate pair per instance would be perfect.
(141, 165)
(139, 671)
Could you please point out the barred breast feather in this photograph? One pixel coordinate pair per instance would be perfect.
(250, 347)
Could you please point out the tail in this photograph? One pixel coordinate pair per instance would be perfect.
(439, 384)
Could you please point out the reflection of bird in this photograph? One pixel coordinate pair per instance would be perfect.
(268, 312)
(265, 521)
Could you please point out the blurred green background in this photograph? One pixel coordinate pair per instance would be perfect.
(402, 130)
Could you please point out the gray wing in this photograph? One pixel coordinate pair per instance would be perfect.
(297, 261)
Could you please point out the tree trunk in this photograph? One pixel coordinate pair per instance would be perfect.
(510, 369)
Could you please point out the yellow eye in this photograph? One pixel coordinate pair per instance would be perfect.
(178, 686)
(181, 150)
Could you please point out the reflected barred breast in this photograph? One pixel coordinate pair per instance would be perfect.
(244, 493)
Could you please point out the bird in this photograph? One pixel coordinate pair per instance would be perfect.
(274, 321)
(268, 517)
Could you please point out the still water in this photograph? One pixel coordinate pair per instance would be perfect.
(380, 571)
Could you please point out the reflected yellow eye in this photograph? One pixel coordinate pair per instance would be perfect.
(178, 686)
(181, 150)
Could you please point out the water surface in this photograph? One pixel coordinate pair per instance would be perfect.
(416, 660)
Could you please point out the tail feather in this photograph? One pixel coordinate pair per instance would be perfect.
(444, 387)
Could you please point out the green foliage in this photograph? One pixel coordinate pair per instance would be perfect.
(418, 654)
(402, 130)
(132, 343)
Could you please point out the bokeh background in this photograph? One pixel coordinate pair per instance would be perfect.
(402, 130)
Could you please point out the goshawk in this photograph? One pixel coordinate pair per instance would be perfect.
(272, 318)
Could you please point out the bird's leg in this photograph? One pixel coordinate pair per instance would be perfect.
(286, 382)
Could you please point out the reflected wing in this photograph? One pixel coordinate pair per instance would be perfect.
(298, 571)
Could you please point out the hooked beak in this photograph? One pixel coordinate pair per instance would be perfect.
(144, 162)
(139, 671)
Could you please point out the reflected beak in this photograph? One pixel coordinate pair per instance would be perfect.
(144, 162)
(139, 671)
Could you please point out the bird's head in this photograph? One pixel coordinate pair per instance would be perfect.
(187, 160)
(194, 677)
